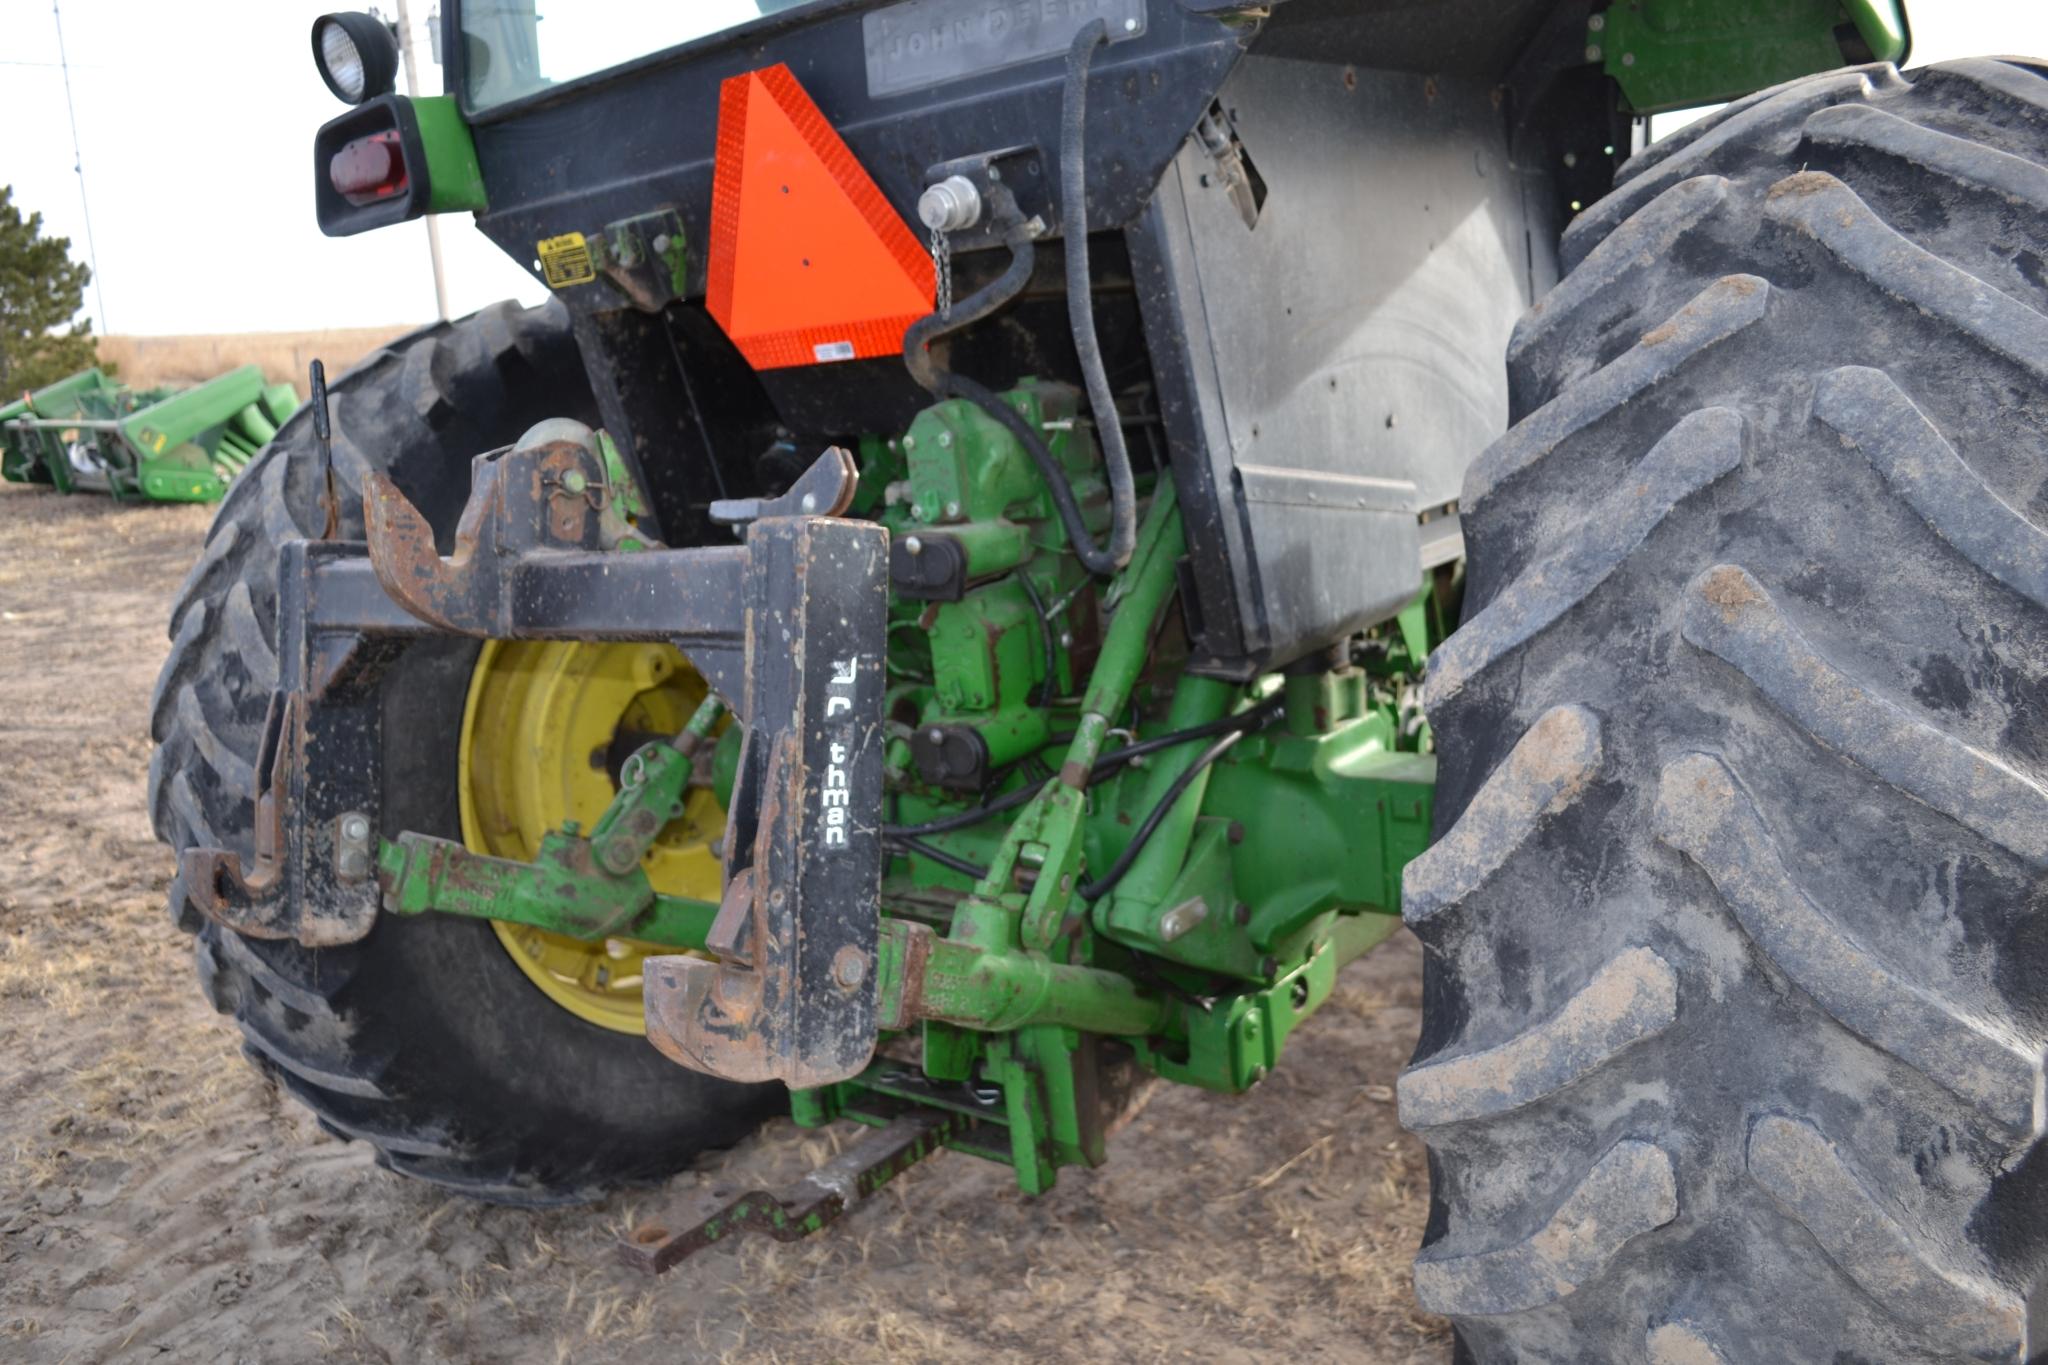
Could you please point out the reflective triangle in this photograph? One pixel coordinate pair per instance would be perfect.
(808, 262)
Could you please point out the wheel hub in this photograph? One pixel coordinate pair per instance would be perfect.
(544, 729)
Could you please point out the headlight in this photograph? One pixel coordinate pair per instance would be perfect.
(356, 54)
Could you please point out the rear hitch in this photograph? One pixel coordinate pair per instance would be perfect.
(789, 628)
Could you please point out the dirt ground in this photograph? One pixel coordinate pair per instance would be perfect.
(160, 1201)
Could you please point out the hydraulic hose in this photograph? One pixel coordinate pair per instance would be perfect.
(1123, 493)
(1251, 718)
(1018, 237)
(1103, 885)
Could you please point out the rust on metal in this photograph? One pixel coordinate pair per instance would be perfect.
(532, 498)
(708, 1015)
(254, 899)
(826, 489)
(905, 1005)
(720, 1214)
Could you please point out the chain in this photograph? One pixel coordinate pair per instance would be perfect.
(942, 269)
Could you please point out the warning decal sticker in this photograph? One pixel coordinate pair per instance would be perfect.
(565, 260)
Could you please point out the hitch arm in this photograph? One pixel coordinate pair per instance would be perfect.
(789, 628)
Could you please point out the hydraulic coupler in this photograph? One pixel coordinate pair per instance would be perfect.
(789, 627)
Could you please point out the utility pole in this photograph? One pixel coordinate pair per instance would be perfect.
(412, 90)
(92, 254)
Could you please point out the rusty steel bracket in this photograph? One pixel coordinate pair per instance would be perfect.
(720, 1214)
(791, 996)
(314, 873)
(826, 489)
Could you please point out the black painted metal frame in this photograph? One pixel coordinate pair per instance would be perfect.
(1382, 134)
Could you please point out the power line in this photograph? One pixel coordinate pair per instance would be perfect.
(92, 254)
(412, 89)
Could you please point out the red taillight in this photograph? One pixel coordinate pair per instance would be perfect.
(369, 169)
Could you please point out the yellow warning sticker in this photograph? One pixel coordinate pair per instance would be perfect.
(565, 260)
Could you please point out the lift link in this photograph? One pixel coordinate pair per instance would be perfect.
(587, 888)
(789, 628)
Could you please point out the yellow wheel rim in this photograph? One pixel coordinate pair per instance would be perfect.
(545, 725)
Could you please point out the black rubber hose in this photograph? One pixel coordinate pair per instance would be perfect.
(939, 856)
(1103, 885)
(917, 341)
(1251, 718)
(1052, 658)
(941, 383)
(1116, 458)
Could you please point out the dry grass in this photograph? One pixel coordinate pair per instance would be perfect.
(146, 361)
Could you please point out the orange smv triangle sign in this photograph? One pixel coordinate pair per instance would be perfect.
(808, 261)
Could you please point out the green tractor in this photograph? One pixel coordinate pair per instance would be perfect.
(1012, 555)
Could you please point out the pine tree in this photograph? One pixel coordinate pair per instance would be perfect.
(41, 289)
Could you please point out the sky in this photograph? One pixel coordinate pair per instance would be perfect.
(196, 122)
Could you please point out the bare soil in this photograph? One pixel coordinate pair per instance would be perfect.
(160, 1201)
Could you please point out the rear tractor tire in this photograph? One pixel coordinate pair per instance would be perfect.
(1736, 982)
(435, 1039)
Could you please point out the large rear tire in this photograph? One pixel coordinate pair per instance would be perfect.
(426, 1039)
(1736, 985)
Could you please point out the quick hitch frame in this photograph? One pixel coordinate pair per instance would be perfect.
(789, 627)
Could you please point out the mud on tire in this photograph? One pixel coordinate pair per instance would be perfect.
(1737, 927)
(424, 1040)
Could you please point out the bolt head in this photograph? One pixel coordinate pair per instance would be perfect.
(1628, 59)
(355, 827)
(810, 502)
(952, 510)
(945, 439)
(912, 545)
(1593, 53)
(849, 967)
(1130, 25)
(1597, 22)
(1182, 918)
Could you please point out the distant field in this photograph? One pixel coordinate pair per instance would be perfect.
(149, 360)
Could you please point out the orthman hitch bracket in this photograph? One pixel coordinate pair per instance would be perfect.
(789, 627)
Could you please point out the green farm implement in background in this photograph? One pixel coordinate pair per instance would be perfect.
(154, 445)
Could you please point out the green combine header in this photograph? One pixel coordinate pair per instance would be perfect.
(157, 445)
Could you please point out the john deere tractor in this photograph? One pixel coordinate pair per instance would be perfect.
(946, 618)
